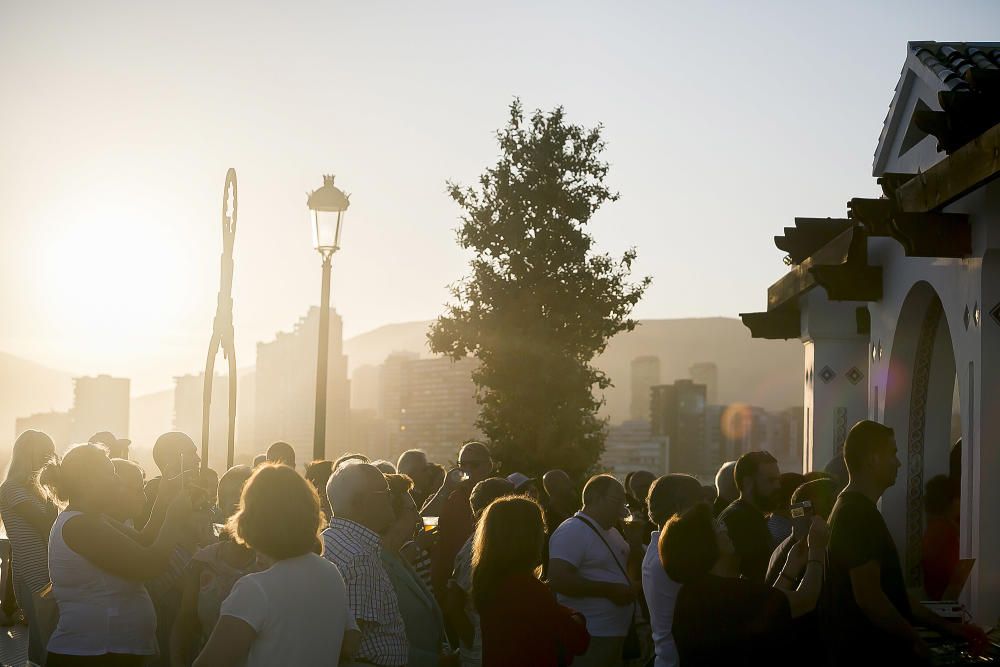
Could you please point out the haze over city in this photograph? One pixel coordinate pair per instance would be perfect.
(723, 121)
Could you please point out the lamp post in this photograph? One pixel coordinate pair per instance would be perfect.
(326, 210)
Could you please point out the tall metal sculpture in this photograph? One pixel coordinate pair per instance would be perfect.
(222, 327)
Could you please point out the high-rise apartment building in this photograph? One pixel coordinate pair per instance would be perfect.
(707, 373)
(100, 403)
(678, 412)
(631, 446)
(645, 375)
(285, 400)
(437, 406)
(189, 396)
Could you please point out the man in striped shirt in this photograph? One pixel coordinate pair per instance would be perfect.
(362, 510)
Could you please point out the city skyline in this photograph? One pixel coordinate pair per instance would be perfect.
(113, 200)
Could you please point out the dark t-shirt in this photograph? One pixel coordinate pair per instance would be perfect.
(748, 531)
(778, 558)
(858, 535)
(730, 622)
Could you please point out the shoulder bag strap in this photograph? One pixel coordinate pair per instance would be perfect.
(612, 551)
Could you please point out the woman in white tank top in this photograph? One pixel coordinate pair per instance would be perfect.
(98, 566)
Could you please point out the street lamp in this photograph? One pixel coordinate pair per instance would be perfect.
(326, 210)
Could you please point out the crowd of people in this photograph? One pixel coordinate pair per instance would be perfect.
(358, 562)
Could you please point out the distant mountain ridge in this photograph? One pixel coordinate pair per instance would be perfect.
(27, 388)
(760, 372)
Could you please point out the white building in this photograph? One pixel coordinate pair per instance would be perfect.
(900, 303)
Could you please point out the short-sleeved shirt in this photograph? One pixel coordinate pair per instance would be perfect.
(356, 551)
(661, 598)
(748, 531)
(858, 535)
(297, 607)
(29, 547)
(730, 622)
(462, 577)
(577, 544)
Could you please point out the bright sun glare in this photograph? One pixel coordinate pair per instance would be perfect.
(113, 277)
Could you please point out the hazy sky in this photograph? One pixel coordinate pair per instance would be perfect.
(118, 121)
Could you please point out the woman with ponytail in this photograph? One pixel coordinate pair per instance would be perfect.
(98, 565)
(28, 516)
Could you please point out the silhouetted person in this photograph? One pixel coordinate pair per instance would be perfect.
(722, 619)
(362, 510)
(28, 516)
(296, 611)
(587, 569)
(822, 494)
(420, 611)
(98, 566)
(725, 487)
(779, 522)
(455, 522)
(351, 457)
(259, 460)
(940, 548)
(282, 453)
(413, 463)
(459, 606)
(117, 447)
(385, 467)
(837, 468)
(757, 477)
(869, 613)
(563, 498)
(669, 495)
(318, 473)
(131, 493)
(211, 575)
(175, 452)
(522, 624)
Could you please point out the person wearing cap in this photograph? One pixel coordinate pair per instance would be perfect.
(117, 447)
(523, 485)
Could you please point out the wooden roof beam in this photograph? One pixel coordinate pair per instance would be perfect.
(783, 323)
(971, 166)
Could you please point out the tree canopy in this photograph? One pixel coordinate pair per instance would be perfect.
(539, 303)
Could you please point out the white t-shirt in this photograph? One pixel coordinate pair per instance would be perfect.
(578, 545)
(297, 607)
(661, 597)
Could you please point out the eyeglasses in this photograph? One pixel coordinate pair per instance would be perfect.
(474, 463)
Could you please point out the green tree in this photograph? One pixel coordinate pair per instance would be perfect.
(538, 303)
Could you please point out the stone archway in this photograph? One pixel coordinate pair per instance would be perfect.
(919, 397)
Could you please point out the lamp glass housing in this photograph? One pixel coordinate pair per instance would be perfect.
(326, 212)
(326, 230)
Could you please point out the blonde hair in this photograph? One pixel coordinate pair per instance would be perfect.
(508, 540)
(60, 478)
(20, 468)
(278, 514)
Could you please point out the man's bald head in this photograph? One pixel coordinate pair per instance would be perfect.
(359, 492)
